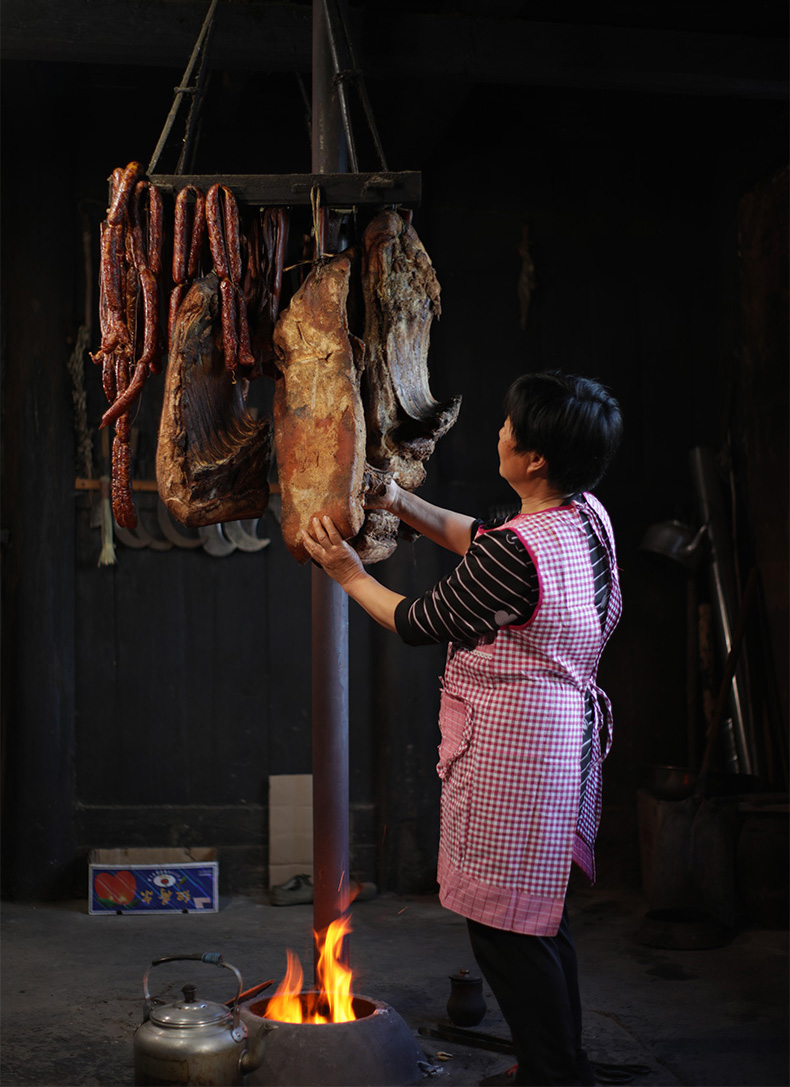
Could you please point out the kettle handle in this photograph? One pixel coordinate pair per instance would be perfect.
(213, 958)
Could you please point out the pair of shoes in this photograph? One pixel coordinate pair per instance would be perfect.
(294, 892)
(506, 1077)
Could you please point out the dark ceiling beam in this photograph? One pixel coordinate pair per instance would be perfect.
(274, 37)
(588, 57)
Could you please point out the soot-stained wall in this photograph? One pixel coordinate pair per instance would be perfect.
(146, 703)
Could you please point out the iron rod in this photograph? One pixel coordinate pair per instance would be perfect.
(183, 88)
(329, 602)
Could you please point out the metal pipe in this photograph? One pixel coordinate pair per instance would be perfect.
(329, 602)
(340, 82)
(722, 588)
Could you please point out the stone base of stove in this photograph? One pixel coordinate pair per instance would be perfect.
(375, 1050)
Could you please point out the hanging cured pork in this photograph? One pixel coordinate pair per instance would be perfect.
(350, 415)
(213, 457)
(319, 421)
(403, 420)
(212, 460)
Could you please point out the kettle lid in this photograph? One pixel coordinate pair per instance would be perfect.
(190, 1012)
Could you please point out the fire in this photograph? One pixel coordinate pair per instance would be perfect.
(332, 1003)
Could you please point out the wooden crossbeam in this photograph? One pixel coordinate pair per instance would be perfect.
(336, 190)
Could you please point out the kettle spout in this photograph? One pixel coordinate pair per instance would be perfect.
(252, 1058)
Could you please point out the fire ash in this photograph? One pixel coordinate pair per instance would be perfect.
(332, 1002)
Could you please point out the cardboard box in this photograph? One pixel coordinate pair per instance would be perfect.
(153, 881)
(290, 827)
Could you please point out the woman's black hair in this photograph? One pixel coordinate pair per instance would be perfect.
(573, 422)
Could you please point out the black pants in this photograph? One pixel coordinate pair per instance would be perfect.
(535, 982)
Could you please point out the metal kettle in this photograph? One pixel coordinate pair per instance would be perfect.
(195, 1041)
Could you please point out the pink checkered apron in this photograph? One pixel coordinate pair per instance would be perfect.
(512, 724)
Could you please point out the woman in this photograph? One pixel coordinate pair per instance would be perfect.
(524, 727)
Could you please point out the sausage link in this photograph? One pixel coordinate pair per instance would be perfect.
(107, 374)
(122, 499)
(246, 357)
(230, 345)
(215, 235)
(232, 241)
(122, 192)
(123, 507)
(122, 403)
(137, 249)
(198, 230)
(150, 355)
(131, 285)
(110, 264)
(180, 236)
(155, 229)
(176, 298)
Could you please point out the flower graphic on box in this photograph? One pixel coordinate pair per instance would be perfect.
(115, 888)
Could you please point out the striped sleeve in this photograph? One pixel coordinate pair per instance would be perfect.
(601, 585)
(494, 585)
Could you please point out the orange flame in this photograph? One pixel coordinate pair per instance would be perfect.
(290, 1005)
(285, 1006)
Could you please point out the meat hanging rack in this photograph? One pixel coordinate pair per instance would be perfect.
(332, 134)
(339, 191)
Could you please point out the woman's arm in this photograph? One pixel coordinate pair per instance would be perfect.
(325, 546)
(448, 529)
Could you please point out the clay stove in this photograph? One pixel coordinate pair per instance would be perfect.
(374, 1050)
(327, 1035)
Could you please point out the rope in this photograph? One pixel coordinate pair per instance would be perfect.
(319, 220)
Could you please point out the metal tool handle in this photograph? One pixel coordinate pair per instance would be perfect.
(213, 958)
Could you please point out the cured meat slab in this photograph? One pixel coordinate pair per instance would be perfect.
(213, 457)
(319, 421)
(403, 420)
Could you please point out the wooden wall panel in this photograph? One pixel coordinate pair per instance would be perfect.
(147, 703)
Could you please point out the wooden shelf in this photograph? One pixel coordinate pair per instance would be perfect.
(337, 190)
(83, 484)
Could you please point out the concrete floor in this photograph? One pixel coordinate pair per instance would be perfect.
(72, 995)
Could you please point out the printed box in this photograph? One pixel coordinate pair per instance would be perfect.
(153, 881)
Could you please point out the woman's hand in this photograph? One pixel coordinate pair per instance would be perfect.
(325, 545)
(383, 498)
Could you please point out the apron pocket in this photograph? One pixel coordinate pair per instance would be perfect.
(455, 770)
(455, 723)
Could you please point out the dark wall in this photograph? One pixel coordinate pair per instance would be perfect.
(147, 703)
